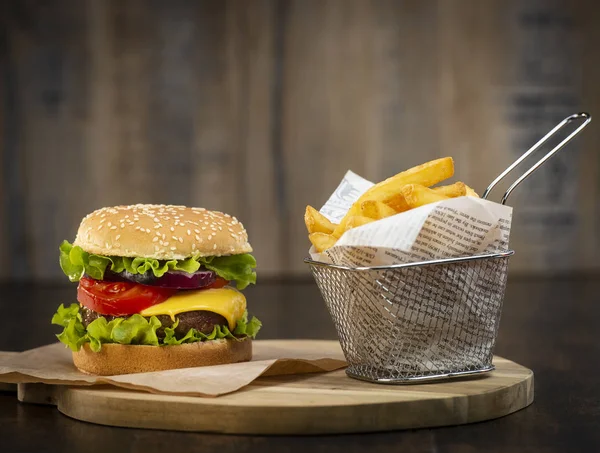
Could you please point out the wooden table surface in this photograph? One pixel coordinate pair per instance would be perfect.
(548, 325)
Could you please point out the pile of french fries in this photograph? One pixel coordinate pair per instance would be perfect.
(407, 190)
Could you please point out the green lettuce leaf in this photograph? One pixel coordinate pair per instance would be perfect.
(73, 334)
(133, 330)
(137, 330)
(234, 267)
(158, 267)
(75, 262)
(242, 328)
(245, 327)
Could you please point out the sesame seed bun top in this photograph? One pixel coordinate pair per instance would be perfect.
(161, 232)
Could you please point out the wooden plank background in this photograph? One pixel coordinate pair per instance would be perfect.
(258, 108)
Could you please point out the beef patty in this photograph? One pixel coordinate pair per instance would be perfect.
(202, 321)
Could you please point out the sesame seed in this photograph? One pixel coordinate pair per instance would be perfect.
(103, 220)
(172, 229)
(232, 235)
(173, 248)
(156, 219)
(102, 215)
(166, 243)
(193, 246)
(174, 238)
(156, 225)
(122, 225)
(203, 228)
(220, 229)
(196, 230)
(127, 216)
(155, 239)
(189, 232)
(114, 227)
(181, 240)
(156, 248)
(137, 227)
(197, 237)
(214, 246)
(118, 236)
(164, 236)
(117, 245)
(100, 227)
(109, 223)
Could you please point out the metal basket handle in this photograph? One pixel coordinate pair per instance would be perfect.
(577, 116)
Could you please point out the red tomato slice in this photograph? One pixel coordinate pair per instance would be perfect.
(119, 298)
(218, 283)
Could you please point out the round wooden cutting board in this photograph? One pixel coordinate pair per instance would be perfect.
(302, 404)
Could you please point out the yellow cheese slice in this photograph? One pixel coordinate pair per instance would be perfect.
(227, 302)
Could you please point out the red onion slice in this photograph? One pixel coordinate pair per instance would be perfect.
(183, 280)
(171, 279)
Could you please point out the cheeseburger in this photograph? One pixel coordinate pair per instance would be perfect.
(159, 288)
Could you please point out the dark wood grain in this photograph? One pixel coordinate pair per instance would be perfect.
(257, 30)
(258, 108)
(589, 15)
(548, 325)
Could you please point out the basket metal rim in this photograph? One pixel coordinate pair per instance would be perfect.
(412, 380)
(498, 255)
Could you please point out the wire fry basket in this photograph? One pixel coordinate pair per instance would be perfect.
(423, 321)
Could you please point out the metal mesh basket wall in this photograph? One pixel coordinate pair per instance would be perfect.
(417, 322)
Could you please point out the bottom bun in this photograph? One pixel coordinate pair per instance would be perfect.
(124, 359)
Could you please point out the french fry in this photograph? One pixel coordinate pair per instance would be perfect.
(426, 174)
(348, 223)
(458, 189)
(389, 191)
(398, 203)
(322, 241)
(358, 220)
(339, 230)
(417, 195)
(376, 209)
(317, 222)
(470, 192)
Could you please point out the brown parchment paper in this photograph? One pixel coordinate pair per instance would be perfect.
(4, 356)
(52, 364)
